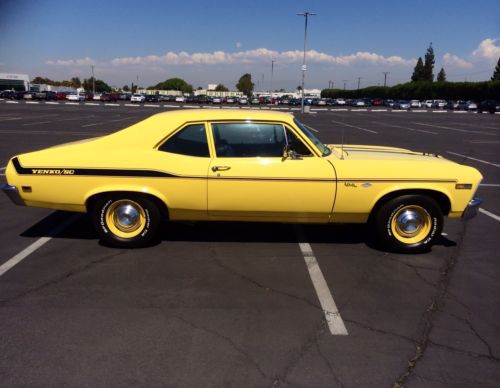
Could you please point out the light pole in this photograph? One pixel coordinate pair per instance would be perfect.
(385, 78)
(306, 15)
(272, 74)
(345, 83)
(93, 80)
(359, 82)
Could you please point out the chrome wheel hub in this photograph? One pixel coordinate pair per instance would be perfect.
(409, 223)
(126, 217)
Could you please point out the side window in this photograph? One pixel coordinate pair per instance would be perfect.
(243, 140)
(296, 144)
(191, 141)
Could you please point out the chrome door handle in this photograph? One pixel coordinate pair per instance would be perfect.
(220, 168)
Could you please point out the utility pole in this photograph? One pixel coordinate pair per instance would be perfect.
(359, 82)
(385, 78)
(272, 74)
(345, 82)
(304, 68)
(262, 86)
(93, 80)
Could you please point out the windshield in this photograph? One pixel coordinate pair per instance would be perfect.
(321, 147)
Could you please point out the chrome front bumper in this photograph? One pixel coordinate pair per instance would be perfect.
(13, 193)
(471, 209)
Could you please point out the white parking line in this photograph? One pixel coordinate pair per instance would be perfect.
(455, 129)
(353, 126)
(148, 105)
(489, 214)
(12, 102)
(134, 105)
(477, 160)
(52, 103)
(92, 103)
(91, 125)
(2, 168)
(490, 184)
(409, 129)
(332, 315)
(38, 122)
(9, 264)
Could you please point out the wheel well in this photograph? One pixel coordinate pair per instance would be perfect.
(441, 199)
(91, 201)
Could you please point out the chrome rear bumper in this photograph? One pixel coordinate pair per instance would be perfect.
(13, 193)
(471, 209)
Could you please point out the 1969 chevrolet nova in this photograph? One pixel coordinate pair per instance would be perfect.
(243, 165)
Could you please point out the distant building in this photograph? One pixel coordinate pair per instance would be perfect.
(14, 81)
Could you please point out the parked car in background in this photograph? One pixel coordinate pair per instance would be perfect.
(29, 95)
(8, 94)
(401, 104)
(428, 103)
(152, 98)
(109, 97)
(491, 106)
(50, 95)
(243, 101)
(137, 98)
(377, 102)
(415, 104)
(216, 100)
(61, 95)
(439, 104)
(97, 96)
(471, 105)
(75, 97)
(340, 101)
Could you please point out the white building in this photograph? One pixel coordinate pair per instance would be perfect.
(14, 81)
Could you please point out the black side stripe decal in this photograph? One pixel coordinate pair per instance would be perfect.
(87, 171)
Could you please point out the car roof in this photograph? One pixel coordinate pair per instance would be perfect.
(148, 132)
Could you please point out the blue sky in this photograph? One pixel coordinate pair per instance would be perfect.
(217, 41)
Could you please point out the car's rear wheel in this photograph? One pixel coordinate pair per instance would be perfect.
(408, 224)
(126, 220)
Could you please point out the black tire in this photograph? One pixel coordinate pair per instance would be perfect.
(408, 224)
(126, 220)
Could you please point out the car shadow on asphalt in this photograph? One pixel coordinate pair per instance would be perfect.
(243, 232)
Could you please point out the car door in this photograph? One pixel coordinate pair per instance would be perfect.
(250, 179)
(185, 156)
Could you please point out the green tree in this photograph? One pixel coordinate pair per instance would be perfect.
(441, 77)
(418, 71)
(496, 73)
(429, 64)
(221, 88)
(126, 88)
(75, 82)
(100, 85)
(245, 84)
(174, 84)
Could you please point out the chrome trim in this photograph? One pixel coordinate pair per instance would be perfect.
(472, 209)
(13, 193)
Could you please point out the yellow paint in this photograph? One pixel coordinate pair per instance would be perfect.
(341, 187)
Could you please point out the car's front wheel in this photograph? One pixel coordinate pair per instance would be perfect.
(126, 220)
(408, 224)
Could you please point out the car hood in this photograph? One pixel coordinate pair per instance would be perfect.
(367, 152)
(369, 162)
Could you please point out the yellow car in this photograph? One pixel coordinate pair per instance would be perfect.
(241, 165)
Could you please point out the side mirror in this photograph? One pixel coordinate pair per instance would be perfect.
(289, 153)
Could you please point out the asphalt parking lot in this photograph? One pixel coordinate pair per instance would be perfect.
(229, 304)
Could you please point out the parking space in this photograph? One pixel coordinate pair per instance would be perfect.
(233, 304)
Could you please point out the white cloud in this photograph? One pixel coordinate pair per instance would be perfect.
(238, 44)
(454, 61)
(72, 62)
(487, 49)
(261, 55)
